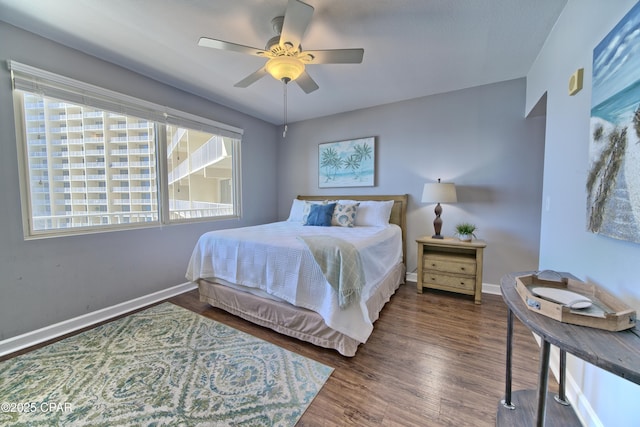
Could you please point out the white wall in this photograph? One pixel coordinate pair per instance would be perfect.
(477, 138)
(43, 282)
(565, 244)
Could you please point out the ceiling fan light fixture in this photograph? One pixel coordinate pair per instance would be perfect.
(285, 68)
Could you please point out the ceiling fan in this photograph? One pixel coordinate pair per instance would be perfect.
(286, 59)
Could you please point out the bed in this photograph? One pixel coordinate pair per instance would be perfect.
(273, 274)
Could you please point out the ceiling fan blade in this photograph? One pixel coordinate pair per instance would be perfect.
(306, 83)
(219, 44)
(296, 20)
(252, 78)
(336, 56)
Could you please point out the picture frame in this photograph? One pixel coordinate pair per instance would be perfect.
(348, 163)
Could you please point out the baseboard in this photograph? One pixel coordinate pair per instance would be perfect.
(38, 336)
(487, 288)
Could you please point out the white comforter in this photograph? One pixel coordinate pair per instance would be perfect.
(271, 258)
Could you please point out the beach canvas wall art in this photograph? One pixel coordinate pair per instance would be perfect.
(349, 163)
(613, 181)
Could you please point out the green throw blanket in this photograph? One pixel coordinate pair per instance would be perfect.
(340, 263)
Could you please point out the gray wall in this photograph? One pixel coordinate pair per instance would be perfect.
(477, 138)
(566, 244)
(47, 281)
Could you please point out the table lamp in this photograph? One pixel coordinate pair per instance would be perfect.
(440, 192)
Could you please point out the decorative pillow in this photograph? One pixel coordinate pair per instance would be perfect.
(374, 213)
(320, 215)
(344, 215)
(307, 208)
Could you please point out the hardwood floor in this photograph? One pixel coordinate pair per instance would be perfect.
(434, 359)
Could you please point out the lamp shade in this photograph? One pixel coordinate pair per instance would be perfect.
(440, 192)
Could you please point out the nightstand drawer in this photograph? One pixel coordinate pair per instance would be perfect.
(449, 264)
(447, 282)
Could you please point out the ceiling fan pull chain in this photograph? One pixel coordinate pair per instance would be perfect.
(284, 132)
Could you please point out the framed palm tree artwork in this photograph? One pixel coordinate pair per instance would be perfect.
(613, 181)
(349, 163)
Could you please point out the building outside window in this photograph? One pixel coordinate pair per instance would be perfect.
(88, 167)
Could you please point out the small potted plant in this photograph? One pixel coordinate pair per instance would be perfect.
(464, 231)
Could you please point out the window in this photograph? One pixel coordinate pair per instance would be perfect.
(95, 160)
(198, 162)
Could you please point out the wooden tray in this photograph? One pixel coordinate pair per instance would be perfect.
(606, 311)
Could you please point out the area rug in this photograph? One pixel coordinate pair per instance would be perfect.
(162, 366)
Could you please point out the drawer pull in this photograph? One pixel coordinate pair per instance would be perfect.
(462, 268)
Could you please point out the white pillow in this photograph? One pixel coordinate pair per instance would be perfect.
(373, 213)
(297, 210)
(300, 209)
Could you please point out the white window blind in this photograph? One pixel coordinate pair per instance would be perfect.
(35, 80)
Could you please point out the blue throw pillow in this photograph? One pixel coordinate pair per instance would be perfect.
(320, 215)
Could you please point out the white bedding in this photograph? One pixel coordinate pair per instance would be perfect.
(271, 258)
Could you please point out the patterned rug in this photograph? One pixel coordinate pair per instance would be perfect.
(162, 366)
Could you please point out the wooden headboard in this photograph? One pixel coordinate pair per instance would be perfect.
(398, 211)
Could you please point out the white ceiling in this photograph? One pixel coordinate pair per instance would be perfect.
(413, 48)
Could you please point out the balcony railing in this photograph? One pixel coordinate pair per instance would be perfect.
(183, 209)
(121, 189)
(98, 177)
(87, 219)
(96, 164)
(142, 164)
(95, 152)
(210, 153)
(134, 202)
(70, 190)
(126, 177)
(131, 151)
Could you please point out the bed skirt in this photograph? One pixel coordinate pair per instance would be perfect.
(293, 321)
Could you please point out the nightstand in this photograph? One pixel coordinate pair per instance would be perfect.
(451, 265)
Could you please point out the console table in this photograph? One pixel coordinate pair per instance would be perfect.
(616, 352)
